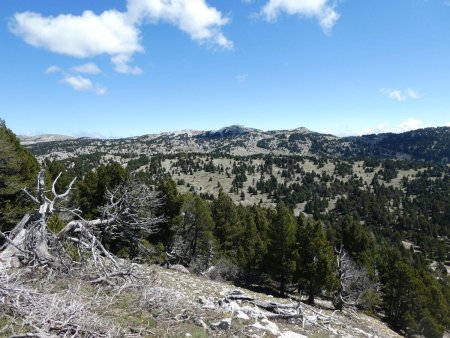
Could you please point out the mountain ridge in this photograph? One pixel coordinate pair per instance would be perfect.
(429, 144)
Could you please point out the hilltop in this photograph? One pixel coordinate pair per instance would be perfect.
(429, 144)
(26, 140)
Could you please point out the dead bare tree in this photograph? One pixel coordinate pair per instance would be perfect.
(355, 282)
(298, 312)
(129, 213)
(132, 207)
(52, 313)
(30, 241)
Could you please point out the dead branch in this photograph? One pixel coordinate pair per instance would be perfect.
(53, 314)
(132, 206)
(294, 311)
(354, 282)
(129, 215)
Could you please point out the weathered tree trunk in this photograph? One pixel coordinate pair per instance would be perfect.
(129, 213)
(28, 242)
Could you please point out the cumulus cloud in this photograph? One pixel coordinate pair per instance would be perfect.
(100, 90)
(116, 33)
(401, 95)
(83, 84)
(53, 69)
(321, 10)
(200, 21)
(87, 68)
(407, 125)
(81, 36)
(122, 65)
(241, 77)
(78, 83)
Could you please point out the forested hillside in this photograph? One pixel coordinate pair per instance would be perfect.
(18, 169)
(429, 144)
(368, 234)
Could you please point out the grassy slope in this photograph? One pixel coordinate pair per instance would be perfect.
(165, 303)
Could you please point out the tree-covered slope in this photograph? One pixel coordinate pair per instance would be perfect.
(430, 144)
(18, 169)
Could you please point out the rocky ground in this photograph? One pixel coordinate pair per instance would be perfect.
(163, 302)
(219, 315)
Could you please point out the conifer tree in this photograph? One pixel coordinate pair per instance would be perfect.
(281, 233)
(228, 227)
(194, 239)
(316, 262)
(356, 240)
(18, 169)
(252, 247)
(414, 300)
(170, 209)
(91, 191)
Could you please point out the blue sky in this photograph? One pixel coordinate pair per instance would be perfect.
(131, 67)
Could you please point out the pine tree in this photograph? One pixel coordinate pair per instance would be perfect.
(194, 239)
(315, 260)
(252, 246)
(281, 233)
(91, 191)
(228, 227)
(414, 300)
(170, 209)
(18, 169)
(356, 240)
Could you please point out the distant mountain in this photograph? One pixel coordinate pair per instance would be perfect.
(25, 140)
(231, 131)
(430, 144)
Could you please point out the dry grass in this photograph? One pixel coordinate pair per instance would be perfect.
(160, 303)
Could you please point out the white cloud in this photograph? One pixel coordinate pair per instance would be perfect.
(401, 95)
(122, 65)
(78, 83)
(412, 94)
(407, 125)
(321, 10)
(241, 77)
(395, 94)
(410, 124)
(53, 69)
(83, 84)
(118, 34)
(194, 17)
(87, 68)
(82, 36)
(447, 124)
(100, 90)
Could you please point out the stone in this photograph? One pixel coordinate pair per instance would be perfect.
(200, 322)
(224, 324)
(231, 306)
(206, 303)
(267, 325)
(291, 334)
(242, 315)
(180, 268)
